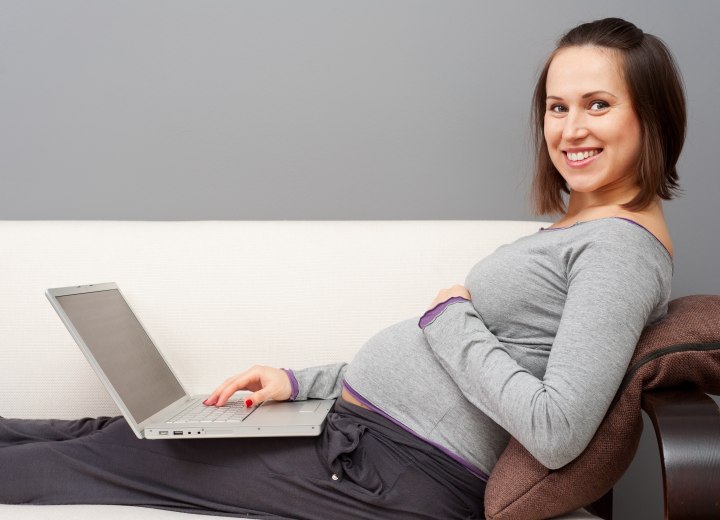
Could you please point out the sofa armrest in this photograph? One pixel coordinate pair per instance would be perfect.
(687, 427)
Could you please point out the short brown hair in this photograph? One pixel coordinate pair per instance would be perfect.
(657, 96)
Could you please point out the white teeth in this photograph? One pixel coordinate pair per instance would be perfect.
(582, 155)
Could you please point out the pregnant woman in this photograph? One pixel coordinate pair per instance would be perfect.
(533, 345)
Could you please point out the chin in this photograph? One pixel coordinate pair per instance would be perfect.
(585, 182)
(582, 188)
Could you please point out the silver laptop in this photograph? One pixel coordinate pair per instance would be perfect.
(144, 387)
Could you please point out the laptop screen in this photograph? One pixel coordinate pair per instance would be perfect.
(122, 348)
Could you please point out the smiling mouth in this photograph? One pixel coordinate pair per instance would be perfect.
(581, 158)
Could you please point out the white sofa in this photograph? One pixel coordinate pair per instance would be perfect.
(211, 294)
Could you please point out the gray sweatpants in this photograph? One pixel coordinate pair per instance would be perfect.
(362, 466)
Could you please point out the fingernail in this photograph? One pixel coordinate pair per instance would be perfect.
(248, 403)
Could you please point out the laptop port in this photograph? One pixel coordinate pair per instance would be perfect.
(177, 432)
(163, 432)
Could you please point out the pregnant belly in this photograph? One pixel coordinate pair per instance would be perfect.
(349, 398)
(396, 371)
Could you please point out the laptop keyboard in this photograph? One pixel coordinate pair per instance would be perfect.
(232, 412)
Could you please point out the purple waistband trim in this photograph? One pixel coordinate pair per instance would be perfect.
(467, 465)
(436, 311)
(293, 383)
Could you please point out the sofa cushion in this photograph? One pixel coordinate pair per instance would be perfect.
(96, 512)
(683, 348)
(103, 512)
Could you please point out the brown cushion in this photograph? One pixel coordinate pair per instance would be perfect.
(683, 348)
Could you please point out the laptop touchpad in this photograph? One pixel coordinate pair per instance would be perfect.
(309, 406)
(292, 407)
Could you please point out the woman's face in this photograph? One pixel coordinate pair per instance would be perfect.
(592, 132)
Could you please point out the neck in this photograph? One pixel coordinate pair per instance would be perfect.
(580, 202)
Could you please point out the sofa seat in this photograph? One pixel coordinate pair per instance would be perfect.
(213, 291)
(87, 512)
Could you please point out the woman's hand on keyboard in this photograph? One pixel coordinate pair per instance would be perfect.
(265, 383)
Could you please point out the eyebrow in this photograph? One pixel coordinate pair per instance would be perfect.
(587, 95)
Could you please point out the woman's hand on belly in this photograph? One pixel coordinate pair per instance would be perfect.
(446, 294)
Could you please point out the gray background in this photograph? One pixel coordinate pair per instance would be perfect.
(327, 109)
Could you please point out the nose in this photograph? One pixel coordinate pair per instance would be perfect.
(575, 126)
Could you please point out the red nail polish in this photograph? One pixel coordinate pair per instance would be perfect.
(248, 403)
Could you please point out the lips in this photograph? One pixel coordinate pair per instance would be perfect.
(579, 158)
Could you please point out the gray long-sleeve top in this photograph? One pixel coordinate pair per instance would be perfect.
(538, 353)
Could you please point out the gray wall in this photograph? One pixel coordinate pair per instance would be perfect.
(328, 109)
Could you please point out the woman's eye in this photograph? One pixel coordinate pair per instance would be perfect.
(559, 109)
(598, 105)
